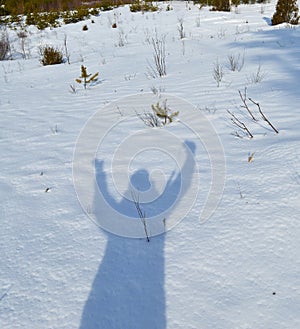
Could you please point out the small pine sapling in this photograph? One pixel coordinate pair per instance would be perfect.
(86, 78)
(164, 112)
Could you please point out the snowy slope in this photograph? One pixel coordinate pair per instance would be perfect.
(240, 268)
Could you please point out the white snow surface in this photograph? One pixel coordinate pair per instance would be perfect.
(239, 269)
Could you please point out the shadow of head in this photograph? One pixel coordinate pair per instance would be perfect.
(140, 180)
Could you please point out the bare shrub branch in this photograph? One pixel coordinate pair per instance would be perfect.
(236, 62)
(159, 69)
(66, 49)
(241, 125)
(4, 46)
(263, 116)
(22, 35)
(150, 119)
(245, 106)
(218, 73)
(180, 28)
(258, 76)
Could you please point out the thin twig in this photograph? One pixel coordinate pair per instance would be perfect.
(149, 119)
(239, 123)
(66, 49)
(263, 116)
(243, 98)
(159, 57)
(141, 214)
(5, 293)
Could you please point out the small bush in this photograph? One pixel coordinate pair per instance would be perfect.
(83, 13)
(15, 19)
(236, 62)
(76, 15)
(41, 22)
(218, 73)
(51, 55)
(4, 46)
(203, 3)
(70, 17)
(159, 69)
(150, 119)
(107, 5)
(257, 77)
(233, 2)
(142, 6)
(286, 12)
(94, 11)
(30, 19)
(15, 7)
(52, 18)
(221, 5)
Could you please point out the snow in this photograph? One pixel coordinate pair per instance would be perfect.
(239, 268)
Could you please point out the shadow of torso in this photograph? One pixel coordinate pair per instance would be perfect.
(128, 290)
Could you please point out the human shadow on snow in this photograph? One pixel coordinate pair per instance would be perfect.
(128, 291)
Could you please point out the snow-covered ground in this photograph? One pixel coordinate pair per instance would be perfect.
(240, 268)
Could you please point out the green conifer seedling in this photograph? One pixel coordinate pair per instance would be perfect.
(86, 78)
(164, 112)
